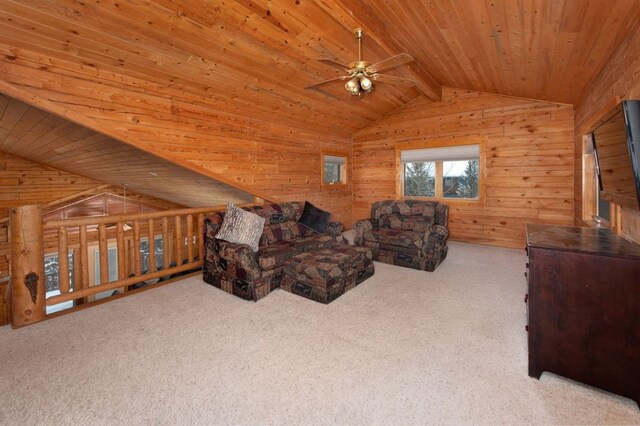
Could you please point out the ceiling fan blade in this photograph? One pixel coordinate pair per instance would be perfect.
(342, 77)
(391, 79)
(392, 62)
(333, 63)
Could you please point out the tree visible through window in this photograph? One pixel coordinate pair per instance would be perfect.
(420, 179)
(334, 169)
(331, 173)
(442, 172)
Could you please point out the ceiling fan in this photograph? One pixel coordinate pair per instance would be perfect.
(362, 74)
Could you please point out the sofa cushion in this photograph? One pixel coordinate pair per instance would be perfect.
(241, 227)
(289, 230)
(278, 213)
(274, 255)
(314, 218)
(411, 223)
(395, 237)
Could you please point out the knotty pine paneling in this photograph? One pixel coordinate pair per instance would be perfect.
(268, 159)
(23, 182)
(30, 133)
(529, 161)
(620, 79)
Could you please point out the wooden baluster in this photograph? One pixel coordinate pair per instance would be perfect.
(103, 247)
(128, 255)
(166, 244)
(137, 263)
(63, 260)
(178, 241)
(122, 271)
(190, 238)
(152, 247)
(77, 273)
(27, 266)
(200, 236)
(84, 259)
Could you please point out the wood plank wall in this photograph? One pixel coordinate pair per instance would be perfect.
(529, 164)
(620, 79)
(23, 182)
(278, 159)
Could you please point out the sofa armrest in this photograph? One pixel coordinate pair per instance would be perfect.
(334, 228)
(361, 226)
(237, 260)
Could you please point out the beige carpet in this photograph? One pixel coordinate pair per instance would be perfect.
(404, 347)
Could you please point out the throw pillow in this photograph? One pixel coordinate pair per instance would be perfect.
(241, 227)
(314, 218)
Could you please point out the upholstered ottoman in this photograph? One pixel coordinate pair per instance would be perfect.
(325, 274)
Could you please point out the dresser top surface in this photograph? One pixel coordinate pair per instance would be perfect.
(580, 239)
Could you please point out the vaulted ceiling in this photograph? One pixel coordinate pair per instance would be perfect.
(257, 56)
(218, 86)
(36, 135)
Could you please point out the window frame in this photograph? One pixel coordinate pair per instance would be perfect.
(344, 174)
(591, 194)
(444, 143)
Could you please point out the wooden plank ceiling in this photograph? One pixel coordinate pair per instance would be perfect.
(258, 55)
(216, 85)
(36, 135)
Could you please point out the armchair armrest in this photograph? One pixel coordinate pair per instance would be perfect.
(361, 226)
(438, 231)
(435, 240)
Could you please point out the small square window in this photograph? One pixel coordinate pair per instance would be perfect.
(334, 169)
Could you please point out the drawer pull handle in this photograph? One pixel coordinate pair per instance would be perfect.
(526, 297)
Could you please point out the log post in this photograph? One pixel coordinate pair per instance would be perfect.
(27, 266)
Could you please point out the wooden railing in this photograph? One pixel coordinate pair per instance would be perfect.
(31, 239)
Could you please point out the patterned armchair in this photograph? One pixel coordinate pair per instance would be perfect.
(411, 233)
(238, 270)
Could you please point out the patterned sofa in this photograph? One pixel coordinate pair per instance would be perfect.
(411, 233)
(236, 269)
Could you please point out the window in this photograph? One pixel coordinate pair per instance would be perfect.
(444, 172)
(596, 210)
(144, 253)
(334, 169)
(51, 281)
(112, 253)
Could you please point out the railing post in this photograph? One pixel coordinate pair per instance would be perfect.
(27, 266)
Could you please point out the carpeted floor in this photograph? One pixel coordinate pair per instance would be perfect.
(404, 347)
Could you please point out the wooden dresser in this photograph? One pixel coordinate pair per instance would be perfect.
(583, 307)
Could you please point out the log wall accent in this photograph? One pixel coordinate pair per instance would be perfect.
(620, 79)
(27, 254)
(529, 161)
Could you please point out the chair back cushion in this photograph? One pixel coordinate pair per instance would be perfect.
(415, 215)
(409, 223)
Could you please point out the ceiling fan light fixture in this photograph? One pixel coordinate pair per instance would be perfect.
(366, 84)
(353, 86)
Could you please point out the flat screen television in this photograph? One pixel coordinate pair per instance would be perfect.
(617, 147)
